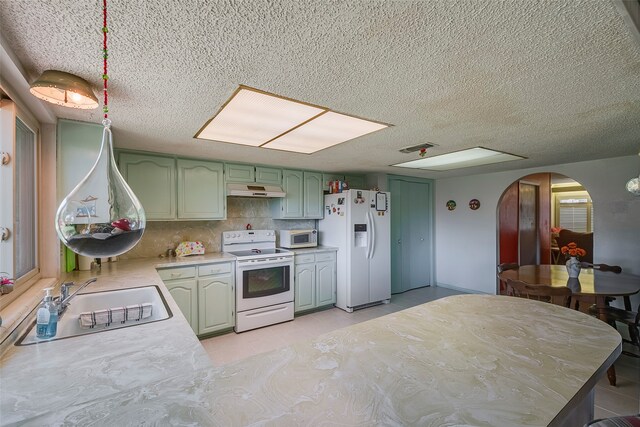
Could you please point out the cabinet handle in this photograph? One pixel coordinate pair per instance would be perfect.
(176, 274)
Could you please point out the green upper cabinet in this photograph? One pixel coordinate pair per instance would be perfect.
(239, 173)
(304, 196)
(200, 190)
(172, 189)
(78, 148)
(153, 180)
(313, 195)
(268, 175)
(290, 206)
(249, 173)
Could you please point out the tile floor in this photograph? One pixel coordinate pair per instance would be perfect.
(624, 399)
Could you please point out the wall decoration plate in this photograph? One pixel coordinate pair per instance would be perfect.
(474, 204)
(451, 205)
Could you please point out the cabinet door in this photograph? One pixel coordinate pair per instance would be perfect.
(313, 195)
(305, 287)
(239, 173)
(215, 303)
(325, 283)
(185, 293)
(201, 192)
(292, 203)
(268, 175)
(153, 180)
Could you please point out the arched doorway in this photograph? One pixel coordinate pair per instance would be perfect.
(536, 213)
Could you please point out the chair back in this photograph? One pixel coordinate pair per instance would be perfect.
(507, 266)
(502, 285)
(555, 295)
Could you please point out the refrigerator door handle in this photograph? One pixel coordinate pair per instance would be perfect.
(368, 236)
(372, 235)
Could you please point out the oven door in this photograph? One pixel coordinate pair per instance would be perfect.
(261, 283)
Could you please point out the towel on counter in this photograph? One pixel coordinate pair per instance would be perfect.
(108, 316)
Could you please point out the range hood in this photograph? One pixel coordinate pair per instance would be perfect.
(255, 190)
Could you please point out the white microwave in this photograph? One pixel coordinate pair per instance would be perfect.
(293, 239)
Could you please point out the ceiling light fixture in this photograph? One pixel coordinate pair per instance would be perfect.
(65, 89)
(460, 159)
(261, 119)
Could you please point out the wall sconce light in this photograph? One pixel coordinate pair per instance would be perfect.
(633, 185)
(65, 89)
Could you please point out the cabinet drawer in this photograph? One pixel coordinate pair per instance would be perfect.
(177, 273)
(209, 269)
(301, 259)
(326, 256)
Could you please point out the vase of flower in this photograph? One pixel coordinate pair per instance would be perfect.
(573, 253)
(573, 267)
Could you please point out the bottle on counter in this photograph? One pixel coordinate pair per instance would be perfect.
(47, 316)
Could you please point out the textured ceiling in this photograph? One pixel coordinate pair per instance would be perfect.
(554, 81)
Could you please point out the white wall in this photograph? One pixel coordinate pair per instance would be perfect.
(466, 240)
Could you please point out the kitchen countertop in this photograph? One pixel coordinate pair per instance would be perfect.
(467, 359)
(313, 250)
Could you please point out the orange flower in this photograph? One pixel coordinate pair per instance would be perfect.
(572, 250)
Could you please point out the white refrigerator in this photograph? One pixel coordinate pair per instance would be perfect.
(358, 223)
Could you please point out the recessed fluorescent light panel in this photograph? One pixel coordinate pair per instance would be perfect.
(460, 159)
(322, 132)
(260, 119)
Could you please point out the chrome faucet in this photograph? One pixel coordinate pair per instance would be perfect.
(64, 294)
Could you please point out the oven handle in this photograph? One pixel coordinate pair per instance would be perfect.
(264, 263)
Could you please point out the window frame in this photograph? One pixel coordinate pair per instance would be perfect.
(24, 282)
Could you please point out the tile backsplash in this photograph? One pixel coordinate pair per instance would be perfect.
(162, 235)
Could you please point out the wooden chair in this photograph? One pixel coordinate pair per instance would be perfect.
(614, 315)
(504, 267)
(555, 295)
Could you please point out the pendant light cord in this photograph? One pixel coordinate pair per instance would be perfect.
(105, 52)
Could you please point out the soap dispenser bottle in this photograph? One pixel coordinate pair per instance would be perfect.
(47, 316)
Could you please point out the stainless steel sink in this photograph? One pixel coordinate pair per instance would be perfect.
(69, 323)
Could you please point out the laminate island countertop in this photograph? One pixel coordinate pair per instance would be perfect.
(475, 360)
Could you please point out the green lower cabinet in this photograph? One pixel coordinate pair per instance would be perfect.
(315, 280)
(185, 293)
(215, 304)
(325, 283)
(305, 286)
(204, 293)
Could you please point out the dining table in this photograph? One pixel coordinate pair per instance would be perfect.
(592, 286)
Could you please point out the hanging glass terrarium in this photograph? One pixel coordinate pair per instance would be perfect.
(101, 217)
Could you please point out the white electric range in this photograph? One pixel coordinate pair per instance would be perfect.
(264, 278)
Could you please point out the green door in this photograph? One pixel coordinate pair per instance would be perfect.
(411, 237)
